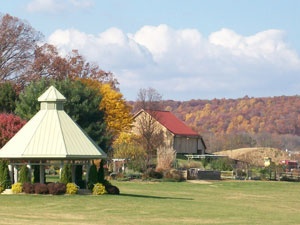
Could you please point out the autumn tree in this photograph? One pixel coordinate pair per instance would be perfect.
(9, 126)
(117, 112)
(18, 41)
(126, 147)
(82, 105)
(49, 64)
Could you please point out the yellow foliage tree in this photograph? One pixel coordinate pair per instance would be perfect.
(118, 116)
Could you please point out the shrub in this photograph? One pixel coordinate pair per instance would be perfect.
(40, 188)
(99, 189)
(151, 173)
(24, 174)
(166, 157)
(17, 188)
(92, 177)
(111, 189)
(173, 175)
(28, 188)
(1, 189)
(4, 174)
(78, 176)
(72, 188)
(101, 174)
(66, 174)
(56, 188)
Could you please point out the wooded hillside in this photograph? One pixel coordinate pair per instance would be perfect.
(244, 122)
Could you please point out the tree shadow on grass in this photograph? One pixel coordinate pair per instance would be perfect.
(155, 197)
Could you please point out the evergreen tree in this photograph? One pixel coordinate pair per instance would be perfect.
(24, 174)
(4, 174)
(101, 173)
(66, 174)
(82, 106)
(92, 176)
(8, 97)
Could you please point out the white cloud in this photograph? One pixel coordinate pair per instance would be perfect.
(182, 64)
(54, 6)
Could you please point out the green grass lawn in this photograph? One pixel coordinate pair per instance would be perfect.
(220, 202)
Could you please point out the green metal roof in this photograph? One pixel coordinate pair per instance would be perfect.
(51, 134)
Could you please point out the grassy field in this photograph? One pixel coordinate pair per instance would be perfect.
(219, 202)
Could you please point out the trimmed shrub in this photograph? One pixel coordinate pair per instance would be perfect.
(28, 188)
(40, 188)
(36, 173)
(72, 188)
(78, 176)
(17, 188)
(66, 174)
(99, 189)
(4, 174)
(101, 173)
(56, 188)
(24, 174)
(92, 177)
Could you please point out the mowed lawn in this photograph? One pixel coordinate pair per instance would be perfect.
(218, 202)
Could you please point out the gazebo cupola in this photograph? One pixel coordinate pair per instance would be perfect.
(52, 99)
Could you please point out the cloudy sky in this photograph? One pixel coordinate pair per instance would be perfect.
(185, 49)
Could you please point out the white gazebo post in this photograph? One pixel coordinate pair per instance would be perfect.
(61, 168)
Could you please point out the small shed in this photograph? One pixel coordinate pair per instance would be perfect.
(51, 137)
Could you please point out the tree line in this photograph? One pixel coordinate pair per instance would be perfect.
(243, 122)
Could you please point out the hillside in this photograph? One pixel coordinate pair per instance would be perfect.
(244, 122)
(255, 156)
(278, 115)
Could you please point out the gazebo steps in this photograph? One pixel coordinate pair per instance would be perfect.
(7, 192)
(84, 192)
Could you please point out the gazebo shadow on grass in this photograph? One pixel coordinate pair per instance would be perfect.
(154, 197)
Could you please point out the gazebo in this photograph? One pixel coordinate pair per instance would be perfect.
(51, 137)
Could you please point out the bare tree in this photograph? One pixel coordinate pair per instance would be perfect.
(18, 41)
(148, 99)
(148, 129)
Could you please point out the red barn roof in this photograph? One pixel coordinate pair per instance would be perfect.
(172, 123)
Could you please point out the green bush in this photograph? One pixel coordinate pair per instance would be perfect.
(99, 189)
(24, 174)
(66, 174)
(72, 188)
(17, 188)
(92, 177)
(4, 174)
(222, 164)
(101, 174)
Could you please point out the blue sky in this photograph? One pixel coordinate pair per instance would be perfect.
(192, 49)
